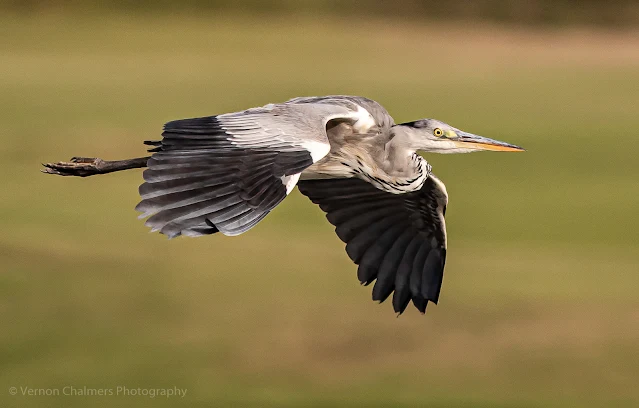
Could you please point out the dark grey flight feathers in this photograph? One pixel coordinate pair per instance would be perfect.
(225, 173)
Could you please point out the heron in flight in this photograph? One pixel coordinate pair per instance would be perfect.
(225, 173)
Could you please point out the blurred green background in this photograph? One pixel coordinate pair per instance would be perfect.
(539, 306)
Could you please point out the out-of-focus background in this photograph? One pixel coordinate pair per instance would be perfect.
(540, 304)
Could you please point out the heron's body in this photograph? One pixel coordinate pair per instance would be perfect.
(225, 173)
(367, 149)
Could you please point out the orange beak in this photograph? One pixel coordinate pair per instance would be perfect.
(475, 142)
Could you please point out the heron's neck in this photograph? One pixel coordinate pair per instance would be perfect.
(403, 170)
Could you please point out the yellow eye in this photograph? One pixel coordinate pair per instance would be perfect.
(438, 132)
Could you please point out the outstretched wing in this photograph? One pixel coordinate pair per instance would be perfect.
(226, 172)
(399, 240)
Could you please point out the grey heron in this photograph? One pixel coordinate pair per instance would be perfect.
(225, 173)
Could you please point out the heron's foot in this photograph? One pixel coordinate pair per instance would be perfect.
(77, 166)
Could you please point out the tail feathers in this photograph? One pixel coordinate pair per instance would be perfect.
(156, 143)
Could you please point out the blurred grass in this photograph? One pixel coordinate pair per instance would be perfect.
(598, 13)
(539, 304)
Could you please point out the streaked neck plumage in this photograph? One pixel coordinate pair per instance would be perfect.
(389, 163)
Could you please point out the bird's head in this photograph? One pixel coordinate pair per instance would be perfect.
(431, 135)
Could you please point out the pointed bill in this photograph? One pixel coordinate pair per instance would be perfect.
(476, 142)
